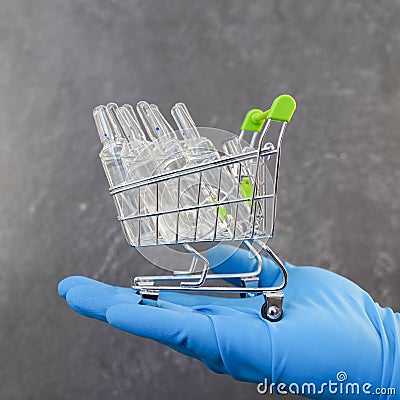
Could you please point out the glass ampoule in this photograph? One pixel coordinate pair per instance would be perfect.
(184, 191)
(206, 193)
(236, 146)
(137, 165)
(223, 184)
(138, 158)
(246, 174)
(116, 174)
(210, 225)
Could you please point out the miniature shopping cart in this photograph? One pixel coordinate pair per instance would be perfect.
(254, 164)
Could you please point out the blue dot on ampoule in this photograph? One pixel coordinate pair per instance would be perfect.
(157, 128)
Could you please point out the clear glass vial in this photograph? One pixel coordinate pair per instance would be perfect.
(185, 191)
(110, 156)
(222, 185)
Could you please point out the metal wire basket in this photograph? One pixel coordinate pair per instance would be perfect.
(254, 168)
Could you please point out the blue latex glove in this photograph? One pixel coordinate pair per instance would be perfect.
(329, 325)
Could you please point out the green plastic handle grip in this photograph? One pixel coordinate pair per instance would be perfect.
(282, 109)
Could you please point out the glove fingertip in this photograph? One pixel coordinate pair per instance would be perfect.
(68, 283)
(74, 281)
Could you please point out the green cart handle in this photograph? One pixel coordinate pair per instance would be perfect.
(282, 109)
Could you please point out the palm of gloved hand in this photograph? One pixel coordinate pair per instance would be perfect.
(329, 324)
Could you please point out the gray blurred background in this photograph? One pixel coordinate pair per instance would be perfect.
(339, 203)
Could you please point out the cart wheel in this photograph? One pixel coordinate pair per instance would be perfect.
(271, 312)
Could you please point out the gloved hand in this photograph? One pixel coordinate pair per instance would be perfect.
(330, 325)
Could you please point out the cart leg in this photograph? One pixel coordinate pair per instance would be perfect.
(272, 308)
(252, 282)
(149, 297)
(203, 274)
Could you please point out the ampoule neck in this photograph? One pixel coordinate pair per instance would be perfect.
(133, 148)
(106, 140)
(162, 124)
(155, 124)
(166, 139)
(190, 134)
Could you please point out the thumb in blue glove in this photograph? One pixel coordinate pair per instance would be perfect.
(330, 325)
